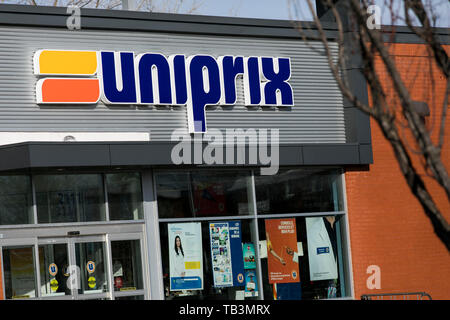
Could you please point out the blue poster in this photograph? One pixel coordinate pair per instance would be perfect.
(236, 253)
(226, 254)
(288, 291)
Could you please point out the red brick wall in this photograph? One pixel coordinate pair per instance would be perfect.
(388, 227)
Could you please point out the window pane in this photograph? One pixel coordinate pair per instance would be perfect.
(319, 268)
(91, 259)
(19, 272)
(173, 194)
(214, 266)
(127, 265)
(204, 193)
(124, 196)
(69, 198)
(299, 190)
(54, 261)
(15, 200)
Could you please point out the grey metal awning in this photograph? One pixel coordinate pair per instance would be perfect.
(40, 155)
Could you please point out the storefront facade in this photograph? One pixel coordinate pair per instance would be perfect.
(91, 198)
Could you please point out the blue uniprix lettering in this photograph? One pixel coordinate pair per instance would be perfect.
(178, 69)
(199, 67)
(277, 81)
(252, 81)
(197, 81)
(146, 63)
(231, 68)
(118, 90)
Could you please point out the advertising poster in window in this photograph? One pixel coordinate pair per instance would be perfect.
(322, 263)
(237, 261)
(226, 254)
(221, 254)
(251, 283)
(185, 256)
(249, 256)
(281, 237)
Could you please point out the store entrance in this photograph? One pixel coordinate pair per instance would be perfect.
(79, 265)
(76, 267)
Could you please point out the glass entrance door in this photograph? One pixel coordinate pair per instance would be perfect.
(92, 266)
(54, 262)
(127, 268)
(74, 268)
(19, 275)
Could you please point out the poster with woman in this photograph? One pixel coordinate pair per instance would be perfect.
(185, 256)
(281, 239)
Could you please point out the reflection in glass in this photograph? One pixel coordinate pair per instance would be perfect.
(15, 200)
(124, 196)
(299, 190)
(91, 259)
(54, 262)
(18, 267)
(127, 265)
(173, 193)
(204, 193)
(69, 198)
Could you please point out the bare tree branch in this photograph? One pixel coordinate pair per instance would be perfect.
(371, 46)
(431, 152)
(427, 34)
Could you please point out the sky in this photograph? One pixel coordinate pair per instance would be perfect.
(266, 9)
(280, 9)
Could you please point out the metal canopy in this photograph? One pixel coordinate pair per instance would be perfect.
(44, 155)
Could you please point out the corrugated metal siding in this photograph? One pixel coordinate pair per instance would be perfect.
(317, 116)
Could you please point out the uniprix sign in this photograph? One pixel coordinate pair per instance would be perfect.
(197, 81)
